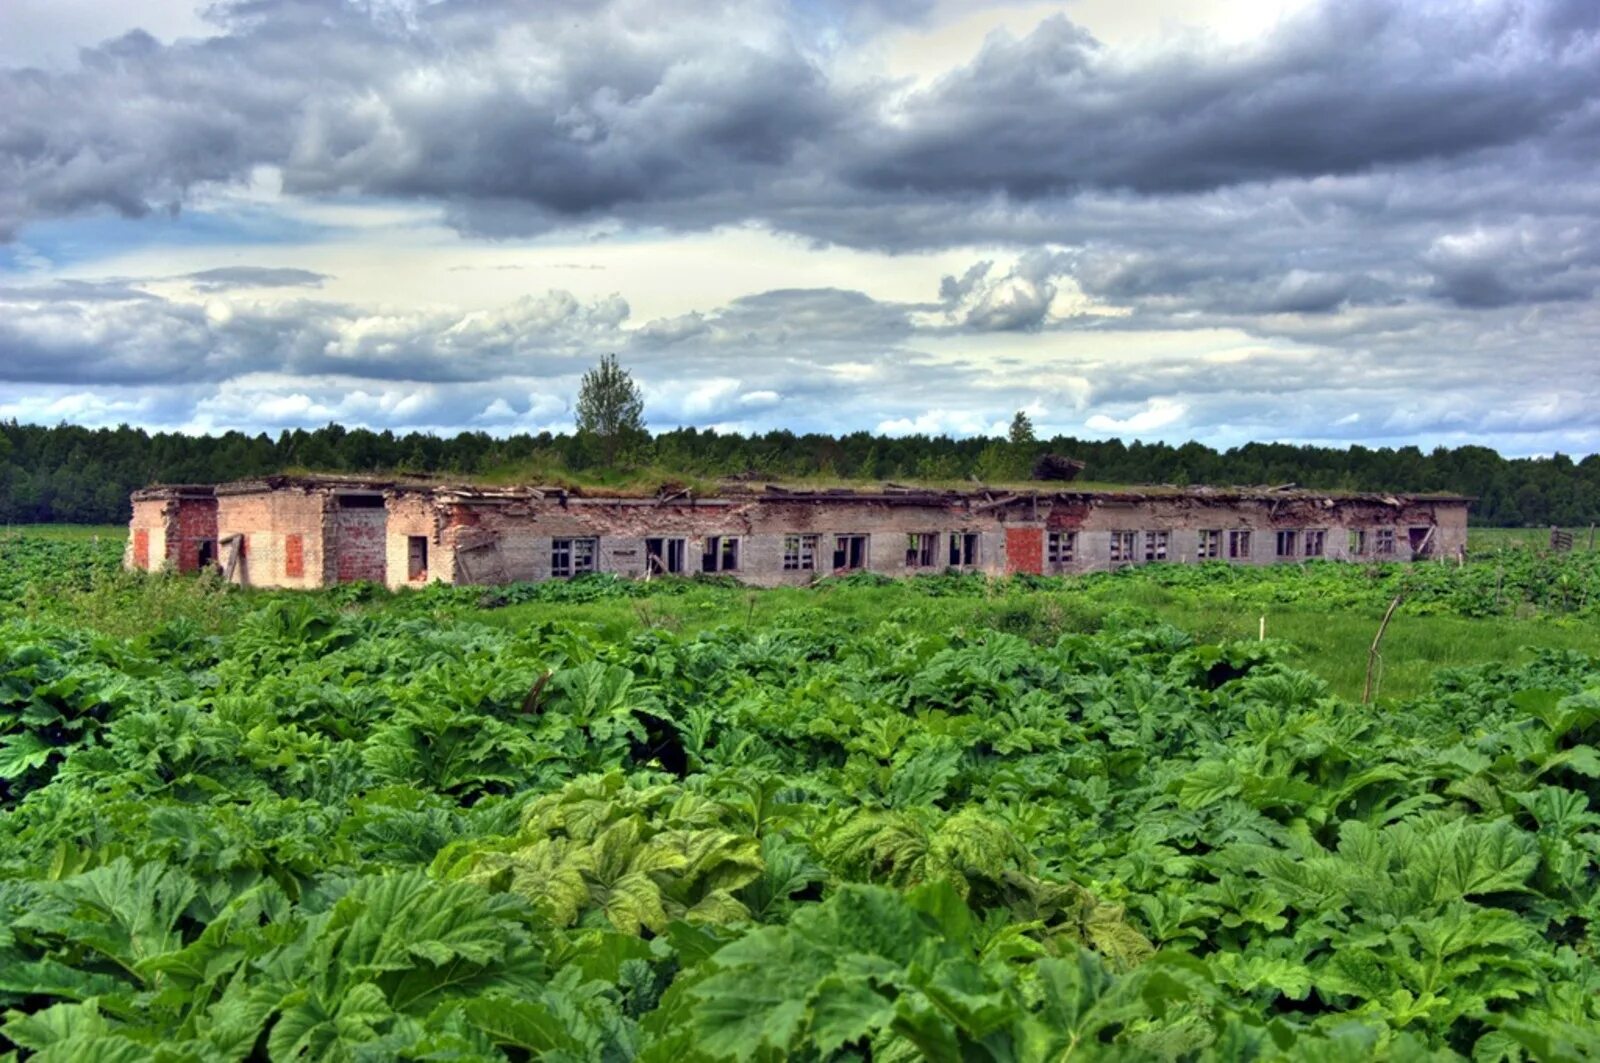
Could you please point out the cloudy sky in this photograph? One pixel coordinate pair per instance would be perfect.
(1371, 221)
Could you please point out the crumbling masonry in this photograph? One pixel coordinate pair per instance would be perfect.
(314, 532)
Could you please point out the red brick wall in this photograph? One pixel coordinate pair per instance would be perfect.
(141, 548)
(196, 524)
(1025, 550)
(361, 544)
(294, 555)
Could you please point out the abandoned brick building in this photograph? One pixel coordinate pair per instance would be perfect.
(313, 532)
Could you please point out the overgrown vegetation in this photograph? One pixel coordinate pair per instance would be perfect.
(949, 819)
(69, 473)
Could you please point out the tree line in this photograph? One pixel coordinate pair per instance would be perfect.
(69, 473)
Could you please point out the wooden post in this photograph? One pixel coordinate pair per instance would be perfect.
(1263, 636)
(1373, 657)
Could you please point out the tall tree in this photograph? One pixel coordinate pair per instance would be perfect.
(1021, 428)
(610, 407)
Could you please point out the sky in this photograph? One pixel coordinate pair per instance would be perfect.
(1359, 221)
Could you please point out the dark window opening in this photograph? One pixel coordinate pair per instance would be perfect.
(205, 555)
(1210, 544)
(664, 556)
(1124, 545)
(416, 558)
(922, 550)
(963, 549)
(849, 553)
(1385, 540)
(1239, 543)
(1421, 540)
(721, 554)
(1155, 545)
(1287, 541)
(360, 501)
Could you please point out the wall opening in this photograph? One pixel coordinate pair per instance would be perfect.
(1421, 540)
(849, 552)
(360, 501)
(664, 557)
(800, 553)
(572, 557)
(922, 549)
(1061, 548)
(963, 549)
(205, 554)
(721, 554)
(416, 558)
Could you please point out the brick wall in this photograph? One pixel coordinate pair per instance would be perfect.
(1025, 550)
(192, 524)
(358, 547)
(524, 535)
(413, 515)
(147, 534)
(266, 519)
(367, 542)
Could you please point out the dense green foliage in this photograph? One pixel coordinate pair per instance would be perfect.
(68, 473)
(354, 826)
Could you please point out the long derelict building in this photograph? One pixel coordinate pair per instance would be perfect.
(314, 532)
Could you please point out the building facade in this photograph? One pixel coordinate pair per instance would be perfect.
(315, 532)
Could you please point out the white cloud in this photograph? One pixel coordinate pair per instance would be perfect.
(1158, 413)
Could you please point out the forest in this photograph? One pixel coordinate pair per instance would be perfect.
(72, 474)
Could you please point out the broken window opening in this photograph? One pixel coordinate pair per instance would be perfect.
(1315, 542)
(573, 557)
(416, 558)
(922, 549)
(1421, 540)
(800, 553)
(849, 552)
(1124, 545)
(963, 549)
(1287, 543)
(721, 554)
(359, 501)
(1155, 545)
(1385, 541)
(664, 557)
(1239, 543)
(1358, 541)
(1061, 548)
(1210, 544)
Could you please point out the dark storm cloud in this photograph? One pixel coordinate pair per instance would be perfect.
(1347, 87)
(680, 114)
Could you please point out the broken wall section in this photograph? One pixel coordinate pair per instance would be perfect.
(273, 537)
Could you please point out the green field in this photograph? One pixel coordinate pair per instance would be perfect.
(949, 818)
